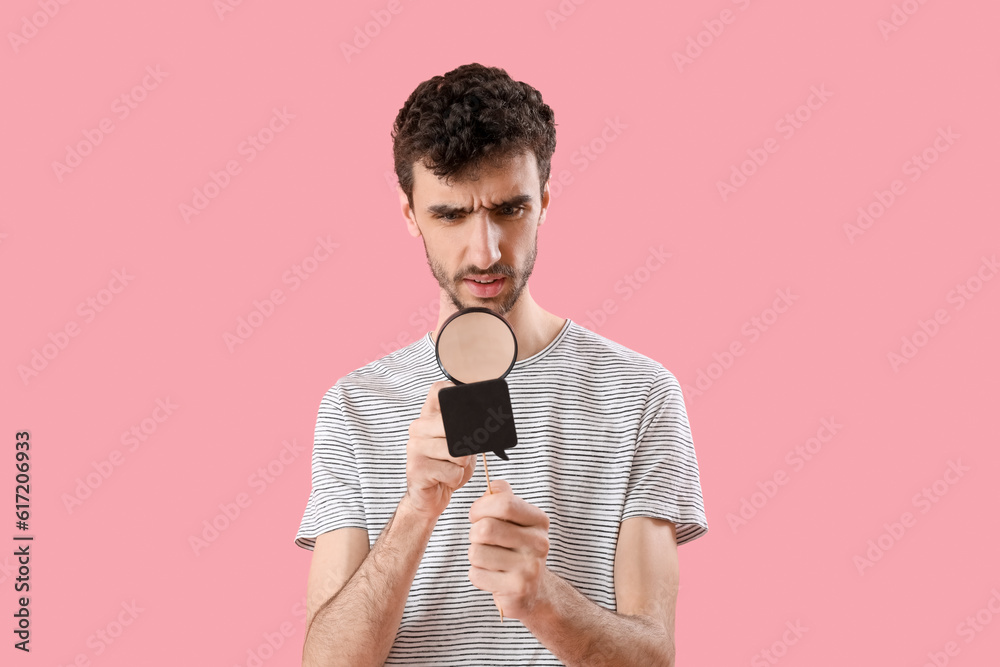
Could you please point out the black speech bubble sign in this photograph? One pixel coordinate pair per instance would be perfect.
(475, 349)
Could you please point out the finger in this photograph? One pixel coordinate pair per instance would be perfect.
(488, 580)
(428, 427)
(470, 469)
(431, 405)
(493, 558)
(492, 531)
(500, 486)
(508, 507)
(436, 447)
(442, 472)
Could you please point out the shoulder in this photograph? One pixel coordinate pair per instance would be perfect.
(404, 375)
(601, 357)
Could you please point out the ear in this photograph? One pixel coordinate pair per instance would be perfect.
(411, 220)
(545, 203)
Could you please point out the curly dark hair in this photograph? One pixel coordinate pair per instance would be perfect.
(471, 116)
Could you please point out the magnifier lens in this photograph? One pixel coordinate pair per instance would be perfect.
(476, 346)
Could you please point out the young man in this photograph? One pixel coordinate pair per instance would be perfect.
(577, 544)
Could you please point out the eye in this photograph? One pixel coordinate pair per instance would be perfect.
(514, 211)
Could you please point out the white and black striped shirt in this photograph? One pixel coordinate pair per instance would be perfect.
(602, 436)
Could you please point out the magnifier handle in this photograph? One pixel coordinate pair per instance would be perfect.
(490, 489)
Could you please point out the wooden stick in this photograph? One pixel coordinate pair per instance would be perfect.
(490, 489)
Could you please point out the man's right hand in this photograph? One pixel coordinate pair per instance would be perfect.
(432, 473)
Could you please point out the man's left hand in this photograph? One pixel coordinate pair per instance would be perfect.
(510, 541)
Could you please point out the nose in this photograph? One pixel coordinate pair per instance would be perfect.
(484, 243)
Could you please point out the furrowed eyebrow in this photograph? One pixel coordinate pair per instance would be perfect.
(447, 209)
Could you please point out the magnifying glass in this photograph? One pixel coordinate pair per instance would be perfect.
(476, 349)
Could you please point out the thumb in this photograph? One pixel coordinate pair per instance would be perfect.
(432, 405)
(499, 486)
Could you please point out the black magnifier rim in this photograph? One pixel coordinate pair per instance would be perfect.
(473, 309)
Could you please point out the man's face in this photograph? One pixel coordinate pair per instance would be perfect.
(485, 228)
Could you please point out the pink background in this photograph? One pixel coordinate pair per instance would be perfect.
(325, 175)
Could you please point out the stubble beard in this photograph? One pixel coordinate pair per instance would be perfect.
(500, 307)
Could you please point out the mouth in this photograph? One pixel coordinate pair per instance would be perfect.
(486, 286)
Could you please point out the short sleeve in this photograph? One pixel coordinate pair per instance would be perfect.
(335, 500)
(664, 481)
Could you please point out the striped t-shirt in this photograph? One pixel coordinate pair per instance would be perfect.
(602, 436)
